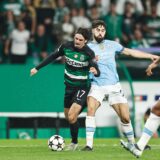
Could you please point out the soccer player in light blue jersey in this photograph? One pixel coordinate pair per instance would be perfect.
(108, 82)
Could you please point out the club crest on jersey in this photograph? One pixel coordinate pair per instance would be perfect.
(82, 58)
(101, 46)
(75, 56)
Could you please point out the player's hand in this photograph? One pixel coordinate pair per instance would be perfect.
(149, 71)
(97, 58)
(33, 71)
(153, 65)
(93, 70)
(150, 67)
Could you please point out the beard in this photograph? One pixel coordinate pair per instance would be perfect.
(99, 39)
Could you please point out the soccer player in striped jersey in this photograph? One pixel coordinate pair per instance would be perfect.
(152, 123)
(79, 61)
(108, 82)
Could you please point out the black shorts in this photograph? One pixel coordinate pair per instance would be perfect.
(76, 95)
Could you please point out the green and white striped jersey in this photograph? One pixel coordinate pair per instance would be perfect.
(77, 63)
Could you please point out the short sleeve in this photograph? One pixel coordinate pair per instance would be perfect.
(118, 48)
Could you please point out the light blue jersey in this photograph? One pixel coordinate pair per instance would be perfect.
(106, 52)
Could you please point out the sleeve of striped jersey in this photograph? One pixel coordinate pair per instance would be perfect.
(93, 63)
(57, 53)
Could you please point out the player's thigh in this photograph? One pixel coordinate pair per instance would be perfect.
(121, 109)
(124, 110)
(118, 101)
(74, 110)
(116, 108)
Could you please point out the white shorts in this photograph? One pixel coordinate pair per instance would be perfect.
(113, 92)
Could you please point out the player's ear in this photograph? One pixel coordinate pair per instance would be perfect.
(85, 41)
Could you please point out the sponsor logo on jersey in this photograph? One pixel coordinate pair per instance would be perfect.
(75, 63)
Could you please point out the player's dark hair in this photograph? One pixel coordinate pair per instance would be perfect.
(97, 23)
(85, 32)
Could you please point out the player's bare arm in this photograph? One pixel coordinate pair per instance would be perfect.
(46, 61)
(139, 54)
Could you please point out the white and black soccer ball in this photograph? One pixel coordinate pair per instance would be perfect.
(56, 143)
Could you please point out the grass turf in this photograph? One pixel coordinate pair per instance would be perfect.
(104, 149)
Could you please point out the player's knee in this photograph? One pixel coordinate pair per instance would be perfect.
(125, 120)
(72, 118)
(156, 111)
(91, 111)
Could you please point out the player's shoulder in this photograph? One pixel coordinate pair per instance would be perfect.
(105, 41)
(88, 50)
(114, 45)
(110, 42)
(91, 44)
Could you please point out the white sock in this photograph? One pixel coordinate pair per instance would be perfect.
(127, 130)
(90, 130)
(150, 128)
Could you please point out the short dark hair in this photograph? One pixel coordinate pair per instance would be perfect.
(85, 32)
(97, 23)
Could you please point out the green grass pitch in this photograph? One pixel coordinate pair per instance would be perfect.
(104, 149)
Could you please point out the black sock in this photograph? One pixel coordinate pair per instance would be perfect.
(74, 132)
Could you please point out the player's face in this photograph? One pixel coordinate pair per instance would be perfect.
(79, 41)
(99, 33)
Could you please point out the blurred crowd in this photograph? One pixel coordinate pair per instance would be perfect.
(34, 28)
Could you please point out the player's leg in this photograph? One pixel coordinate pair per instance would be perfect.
(93, 102)
(122, 110)
(79, 99)
(119, 103)
(150, 127)
(72, 118)
(93, 105)
(68, 101)
(71, 115)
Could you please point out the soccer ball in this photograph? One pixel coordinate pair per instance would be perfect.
(56, 143)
